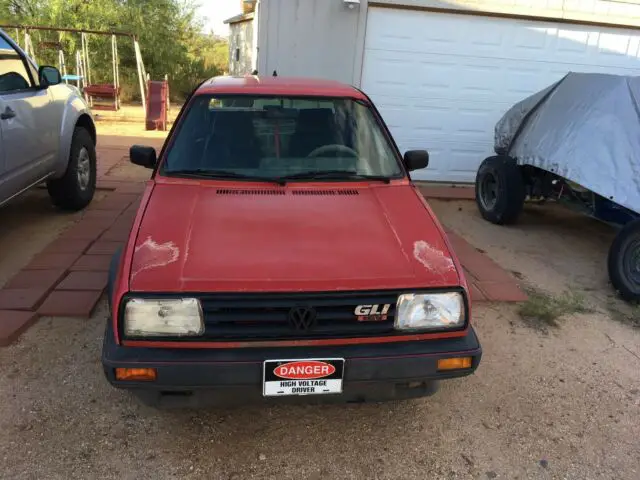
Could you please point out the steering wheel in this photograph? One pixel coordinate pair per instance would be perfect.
(332, 148)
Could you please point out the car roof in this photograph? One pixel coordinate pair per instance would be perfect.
(269, 85)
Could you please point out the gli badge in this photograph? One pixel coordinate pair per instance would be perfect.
(372, 313)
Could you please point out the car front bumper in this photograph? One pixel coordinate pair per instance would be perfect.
(373, 372)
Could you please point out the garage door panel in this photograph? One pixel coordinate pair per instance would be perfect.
(570, 42)
(421, 112)
(565, 52)
(496, 38)
(474, 123)
(615, 44)
(479, 81)
(423, 71)
(429, 120)
(448, 163)
(457, 123)
(420, 75)
(436, 141)
(442, 81)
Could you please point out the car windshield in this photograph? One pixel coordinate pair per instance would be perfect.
(282, 138)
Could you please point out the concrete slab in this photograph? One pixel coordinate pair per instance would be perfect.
(13, 324)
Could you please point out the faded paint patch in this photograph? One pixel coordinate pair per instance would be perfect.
(432, 258)
(151, 254)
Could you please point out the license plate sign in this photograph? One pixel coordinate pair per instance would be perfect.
(315, 376)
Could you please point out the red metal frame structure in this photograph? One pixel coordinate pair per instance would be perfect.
(110, 91)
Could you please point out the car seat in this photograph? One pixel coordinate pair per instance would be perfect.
(315, 128)
(233, 142)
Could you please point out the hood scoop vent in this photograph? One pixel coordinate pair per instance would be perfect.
(229, 191)
(277, 192)
(325, 192)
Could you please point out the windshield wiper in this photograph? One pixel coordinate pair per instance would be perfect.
(334, 175)
(201, 172)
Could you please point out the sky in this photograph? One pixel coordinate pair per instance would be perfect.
(216, 11)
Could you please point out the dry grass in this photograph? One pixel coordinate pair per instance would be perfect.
(627, 314)
(543, 310)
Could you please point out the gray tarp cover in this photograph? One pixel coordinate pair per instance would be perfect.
(586, 130)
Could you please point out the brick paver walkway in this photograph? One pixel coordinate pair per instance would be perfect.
(69, 276)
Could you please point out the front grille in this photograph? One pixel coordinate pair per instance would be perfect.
(257, 317)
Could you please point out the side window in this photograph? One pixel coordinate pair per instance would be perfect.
(13, 73)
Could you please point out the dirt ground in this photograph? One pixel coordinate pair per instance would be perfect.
(545, 403)
(133, 114)
(126, 130)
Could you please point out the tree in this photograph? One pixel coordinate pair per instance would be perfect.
(169, 33)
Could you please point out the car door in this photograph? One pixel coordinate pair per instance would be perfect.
(29, 138)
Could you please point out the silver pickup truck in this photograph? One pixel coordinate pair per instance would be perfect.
(47, 132)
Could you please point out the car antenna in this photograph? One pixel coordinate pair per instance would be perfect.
(275, 74)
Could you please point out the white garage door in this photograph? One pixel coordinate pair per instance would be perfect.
(442, 81)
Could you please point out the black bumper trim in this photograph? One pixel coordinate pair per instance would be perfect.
(192, 369)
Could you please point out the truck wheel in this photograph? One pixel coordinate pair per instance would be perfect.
(75, 189)
(500, 190)
(624, 261)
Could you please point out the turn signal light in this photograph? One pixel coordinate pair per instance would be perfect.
(454, 363)
(136, 374)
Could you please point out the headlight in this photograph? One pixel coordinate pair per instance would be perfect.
(430, 311)
(163, 318)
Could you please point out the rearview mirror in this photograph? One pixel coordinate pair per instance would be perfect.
(49, 76)
(143, 156)
(416, 159)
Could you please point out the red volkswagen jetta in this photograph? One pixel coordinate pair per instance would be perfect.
(281, 250)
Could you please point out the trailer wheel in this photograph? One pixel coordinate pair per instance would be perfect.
(500, 190)
(624, 262)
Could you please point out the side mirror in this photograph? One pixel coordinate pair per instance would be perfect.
(416, 159)
(49, 76)
(143, 156)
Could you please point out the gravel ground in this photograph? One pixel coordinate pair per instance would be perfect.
(561, 404)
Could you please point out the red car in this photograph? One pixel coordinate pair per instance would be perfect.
(281, 250)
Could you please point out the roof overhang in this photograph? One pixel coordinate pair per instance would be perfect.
(243, 17)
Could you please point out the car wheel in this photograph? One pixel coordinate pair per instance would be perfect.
(76, 188)
(624, 261)
(500, 190)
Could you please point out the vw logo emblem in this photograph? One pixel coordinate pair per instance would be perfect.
(302, 318)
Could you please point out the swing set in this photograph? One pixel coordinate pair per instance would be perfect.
(100, 96)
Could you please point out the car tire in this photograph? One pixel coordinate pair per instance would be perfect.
(500, 190)
(624, 261)
(75, 190)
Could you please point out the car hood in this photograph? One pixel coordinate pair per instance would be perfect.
(201, 238)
